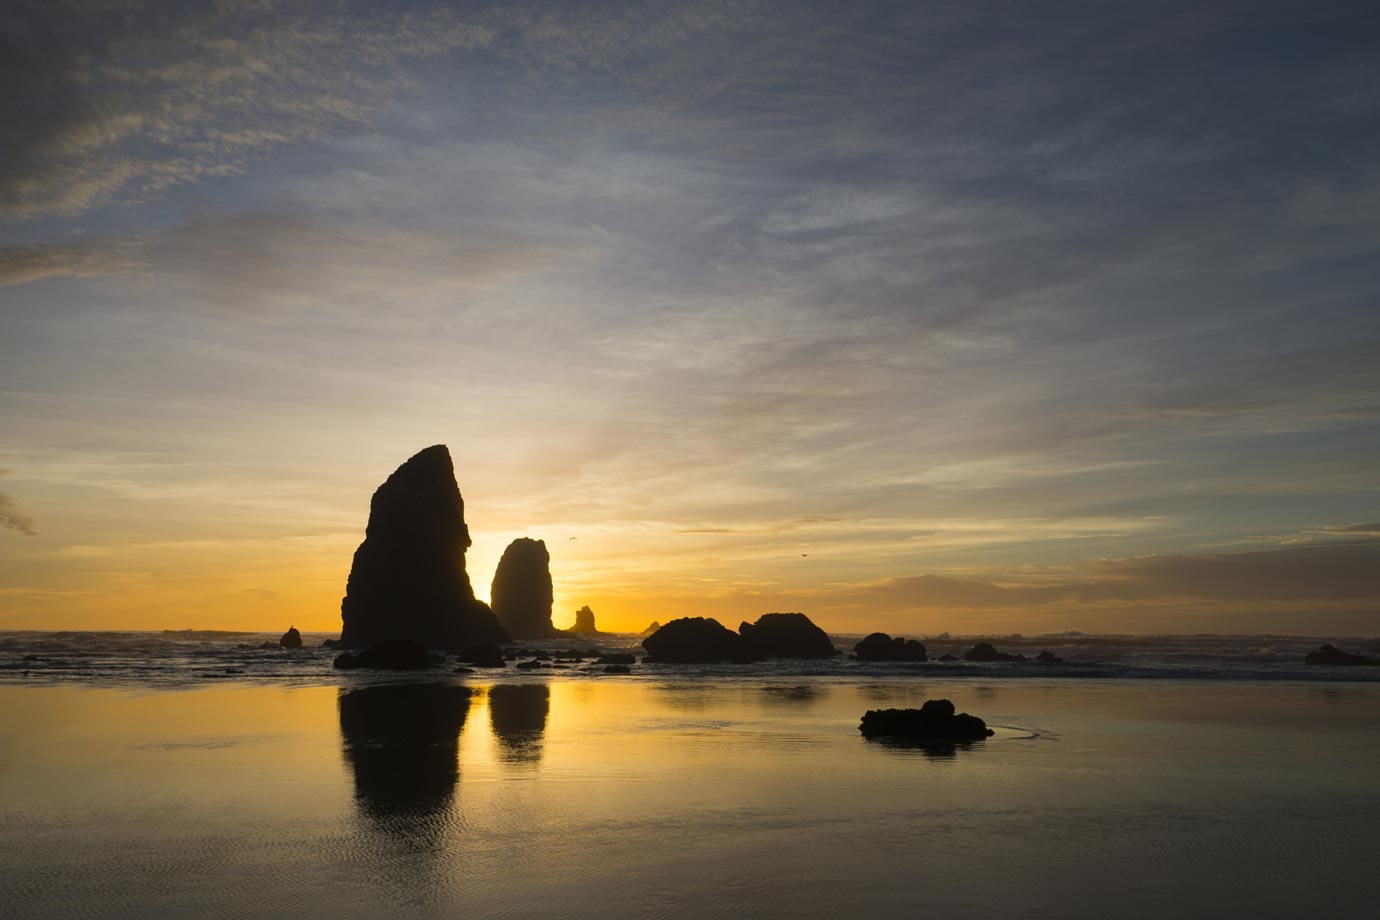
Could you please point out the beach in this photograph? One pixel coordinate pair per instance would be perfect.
(501, 795)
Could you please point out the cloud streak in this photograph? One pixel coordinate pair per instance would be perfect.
(13, 518)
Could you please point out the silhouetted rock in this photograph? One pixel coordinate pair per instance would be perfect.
(521, 591)
(933, 722)
(291, 639)
(881, 647)
(1330, 654)
(617, 669)
(482, 656)
(984, 651)
(268, 646)
(617, 658)
(1048, 658)
(694, 639)
(408, 578)
(786, 635)
(584, 623)
(947, 657)
(651, 628)
(528, 665)
(388, 655)
(330, 643)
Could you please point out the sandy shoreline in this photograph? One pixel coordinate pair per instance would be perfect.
(685, 798)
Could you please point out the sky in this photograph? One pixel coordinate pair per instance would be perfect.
(980, 317)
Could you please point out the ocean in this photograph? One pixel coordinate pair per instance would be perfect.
(179, 657)
(178, 775)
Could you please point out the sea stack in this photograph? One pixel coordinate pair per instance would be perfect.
(786, 635)
(521, 590)
(584, 623)
(408, 579)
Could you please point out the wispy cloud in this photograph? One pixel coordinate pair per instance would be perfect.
(105, 106)
(15, 519)
(21, 263)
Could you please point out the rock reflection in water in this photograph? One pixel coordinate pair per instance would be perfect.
(517, 713)
(402, 742)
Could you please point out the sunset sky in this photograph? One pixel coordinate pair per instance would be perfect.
(927, 316)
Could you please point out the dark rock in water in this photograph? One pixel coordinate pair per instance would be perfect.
(1048, 658)
(330, 643)
(528, 665)
(617, 669)
(694, 639)
(933, 722)
(408, 578)
(291, 639)
(786, 635)
(584, 623)
(947, 658)
(267, 646)
(462, 670)
(1330, 654)
(651, 628)
(521, 591)
(617, 658)
(881, 647)
(984, 651)
(482, 656)
(388, 655)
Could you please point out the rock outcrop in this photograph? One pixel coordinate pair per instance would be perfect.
(1048, 658)
(984, 651)
(651, 628)
(485, 655)
(291, 639)
(521, 592)
(881, 647)
(786, 635)
(1330, 654)
(935, 722)
(408, 579)
(388, 655)
(694, 639)
(584, 623)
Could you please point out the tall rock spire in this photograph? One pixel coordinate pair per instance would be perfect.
(408, 579)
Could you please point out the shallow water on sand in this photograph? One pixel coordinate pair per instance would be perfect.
(687, 799)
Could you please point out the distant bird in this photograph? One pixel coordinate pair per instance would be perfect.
(572, 538)
(804, 554)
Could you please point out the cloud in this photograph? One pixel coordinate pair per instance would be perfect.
(1323, 574)
(128, 100)
(771, 527)
(12, 517)
(21, 263)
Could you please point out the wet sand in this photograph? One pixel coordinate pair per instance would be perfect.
(687, 799)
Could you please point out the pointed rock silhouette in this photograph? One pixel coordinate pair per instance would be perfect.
(408, 579)
(584, 623)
